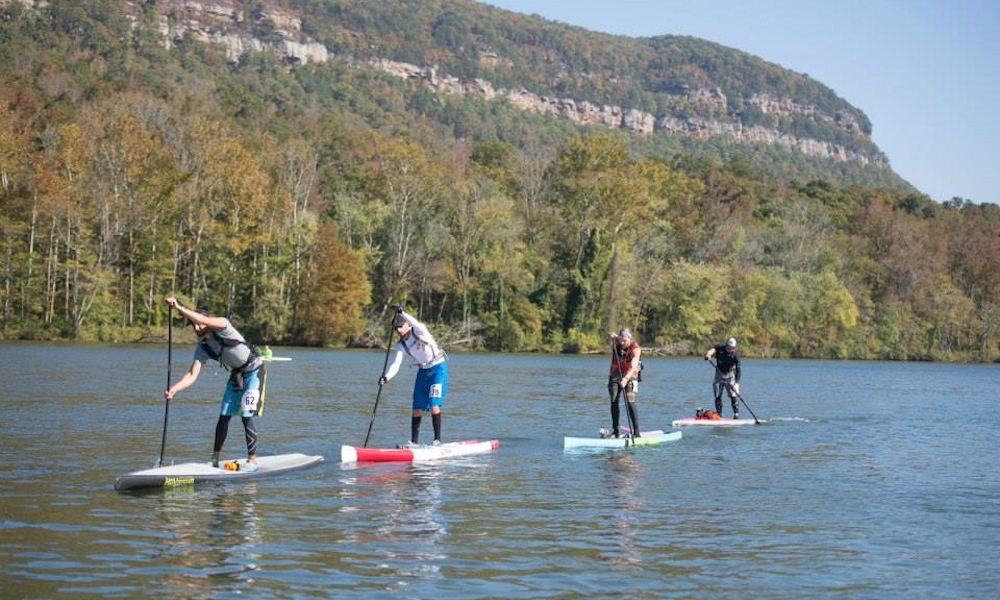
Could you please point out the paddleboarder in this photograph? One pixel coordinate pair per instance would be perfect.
(727, 374)
(431, 383)
(244, 393)
(624, 378)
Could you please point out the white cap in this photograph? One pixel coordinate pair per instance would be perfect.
(625, 334)
(731, 342)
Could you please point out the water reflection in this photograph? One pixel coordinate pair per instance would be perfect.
(398, 509)
(621, 480)
(212, 540)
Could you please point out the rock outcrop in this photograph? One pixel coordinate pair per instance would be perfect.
(230, 23)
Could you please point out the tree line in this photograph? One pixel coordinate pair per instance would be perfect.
(304, 217)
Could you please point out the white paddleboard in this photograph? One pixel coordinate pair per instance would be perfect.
(693, 422)
(570, 443)
(188, 474)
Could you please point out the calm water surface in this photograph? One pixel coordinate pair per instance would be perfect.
(868, 480)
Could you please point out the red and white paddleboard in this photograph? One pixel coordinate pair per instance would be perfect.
(350, 454)
(692, 421)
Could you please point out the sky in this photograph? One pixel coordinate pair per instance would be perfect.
(925, 72)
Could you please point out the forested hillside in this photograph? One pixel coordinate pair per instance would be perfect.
(303, 197)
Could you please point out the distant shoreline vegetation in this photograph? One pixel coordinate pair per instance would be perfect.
(303, 201)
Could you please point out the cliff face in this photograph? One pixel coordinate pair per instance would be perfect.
(645, 123)
(241, 27)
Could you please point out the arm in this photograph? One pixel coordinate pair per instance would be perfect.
(710, 353)
(394, 367)
(184, 382)
(419, 328)
(196, 317)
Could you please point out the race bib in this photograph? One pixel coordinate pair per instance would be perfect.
(436, 390)
(250, 400)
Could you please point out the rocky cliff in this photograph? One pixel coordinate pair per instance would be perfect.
(237, 27)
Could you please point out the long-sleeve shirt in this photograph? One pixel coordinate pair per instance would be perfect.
(728, 362)
(419, 345)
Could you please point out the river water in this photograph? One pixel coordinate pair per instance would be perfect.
(865, 480)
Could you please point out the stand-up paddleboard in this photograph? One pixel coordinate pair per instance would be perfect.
(606, 433)
(651, 439)
(350, 454)
(692, 422)
(188, 474)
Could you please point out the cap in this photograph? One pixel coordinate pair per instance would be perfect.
(398, 320)
(731, 342)
(625, 334)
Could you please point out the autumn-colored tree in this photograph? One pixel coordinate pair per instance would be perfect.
(334, 294)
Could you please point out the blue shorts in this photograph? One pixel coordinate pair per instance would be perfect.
(247, 401)
(430, 387)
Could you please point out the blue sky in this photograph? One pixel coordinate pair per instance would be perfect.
(924, 71)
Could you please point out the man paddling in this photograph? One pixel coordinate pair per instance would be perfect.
(431, 383)
(727, 374)
(244, 393)
(624, 377)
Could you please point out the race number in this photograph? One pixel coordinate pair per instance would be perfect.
(251, 398)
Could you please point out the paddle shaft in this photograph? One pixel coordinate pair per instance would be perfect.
(385, 365)
(166, 403)
(735, 393)
(621, 387)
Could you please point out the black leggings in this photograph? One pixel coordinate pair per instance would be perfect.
(222, 430)
(614, 387)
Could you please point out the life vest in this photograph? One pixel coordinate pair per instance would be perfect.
(438, 355)
(225, 348)
(621, 361)
(224, 344)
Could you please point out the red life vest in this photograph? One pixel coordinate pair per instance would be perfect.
(624, 365)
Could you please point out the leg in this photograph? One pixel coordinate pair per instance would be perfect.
(633, 410)
(438, 376)
(613, 391)
(232, 401)
(221, 431)
(251, 434)
(436, 422)
(421, 389)
(249, 405)
(717, 390)
(415, 425)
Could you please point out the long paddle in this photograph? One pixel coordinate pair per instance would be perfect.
(735, 393)
(621, 389)
(388, 348)
(166, 403)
